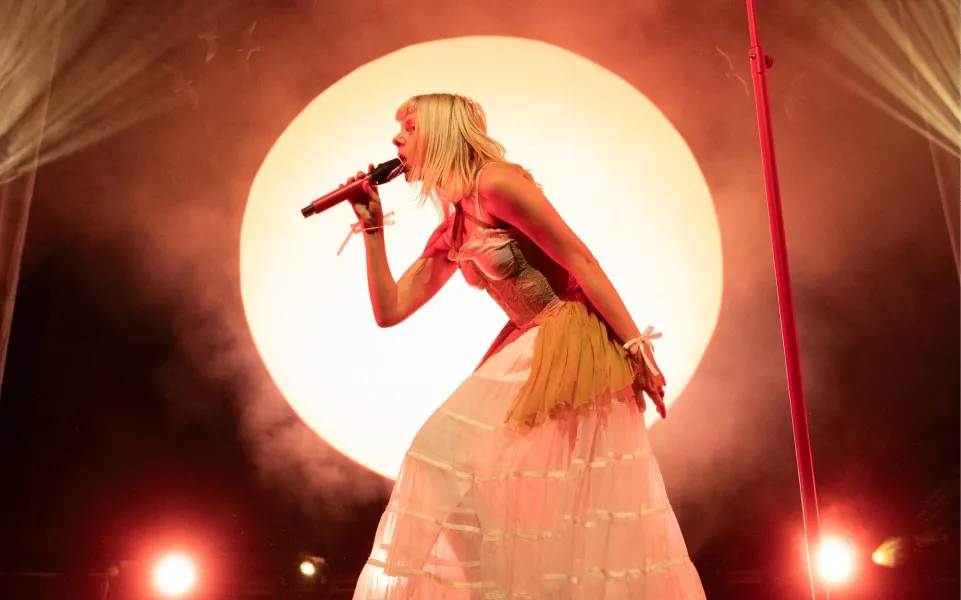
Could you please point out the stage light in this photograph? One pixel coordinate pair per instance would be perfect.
(888, 553)
(835, 561)
(314, 568)
(175, 576)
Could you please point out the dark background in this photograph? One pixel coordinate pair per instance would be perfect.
(135, 412)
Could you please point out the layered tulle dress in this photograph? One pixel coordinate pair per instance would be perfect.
(535, 478)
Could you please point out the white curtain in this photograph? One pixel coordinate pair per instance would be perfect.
(29, 46)
(65, 86)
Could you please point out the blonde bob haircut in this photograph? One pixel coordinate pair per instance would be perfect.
(454, 146)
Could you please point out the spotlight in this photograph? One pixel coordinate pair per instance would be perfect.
(307, 569)
(175, 576)
(315, 568)
(835, 561)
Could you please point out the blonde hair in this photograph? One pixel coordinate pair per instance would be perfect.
(454, 146)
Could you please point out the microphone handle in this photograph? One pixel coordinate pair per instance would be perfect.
(333, 198)
(382, 173)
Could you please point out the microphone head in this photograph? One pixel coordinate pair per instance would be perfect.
(386, 171)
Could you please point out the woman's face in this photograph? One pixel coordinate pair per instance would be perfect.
(408, 143)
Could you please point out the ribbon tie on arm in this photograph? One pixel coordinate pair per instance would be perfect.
(642, 345)
(358, 227)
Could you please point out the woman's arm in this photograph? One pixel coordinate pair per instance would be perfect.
(507, 195)
(393, 302)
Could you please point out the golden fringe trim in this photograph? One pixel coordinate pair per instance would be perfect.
(575, 363)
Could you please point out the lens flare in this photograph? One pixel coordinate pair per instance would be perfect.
(835, 561)
(175, 576)
(888, 554)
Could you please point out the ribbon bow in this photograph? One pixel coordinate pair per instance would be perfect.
(642, 343)
(358, 227)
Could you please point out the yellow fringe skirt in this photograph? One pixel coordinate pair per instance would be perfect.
(576, 362)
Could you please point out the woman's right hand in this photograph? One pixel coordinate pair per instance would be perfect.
(367, 206)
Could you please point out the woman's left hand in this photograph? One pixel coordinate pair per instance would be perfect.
(648, 381)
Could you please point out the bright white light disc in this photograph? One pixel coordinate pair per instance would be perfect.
(616, 169)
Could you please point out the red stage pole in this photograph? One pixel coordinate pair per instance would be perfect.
(760, 63)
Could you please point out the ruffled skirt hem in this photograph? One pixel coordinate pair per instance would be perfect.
(573, 508)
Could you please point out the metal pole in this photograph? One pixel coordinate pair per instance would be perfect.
(760, 64)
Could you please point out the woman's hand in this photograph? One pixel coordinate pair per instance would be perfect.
(649, 379)
(367, 207)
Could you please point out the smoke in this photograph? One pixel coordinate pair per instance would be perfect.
(196, 272)
(164, 210)
(151, 222)
(869, 256)
(74, 73)
(911, 51)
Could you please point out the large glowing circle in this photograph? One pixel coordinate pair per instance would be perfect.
(617, 170)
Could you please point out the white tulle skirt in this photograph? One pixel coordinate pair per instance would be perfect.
(573, 508)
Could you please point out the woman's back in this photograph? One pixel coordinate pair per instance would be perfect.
(515, 272)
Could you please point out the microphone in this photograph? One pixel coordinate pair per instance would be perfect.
(382, 173)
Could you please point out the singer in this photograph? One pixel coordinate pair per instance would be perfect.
(535, 478)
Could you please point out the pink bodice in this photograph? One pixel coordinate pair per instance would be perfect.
(517, 274)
